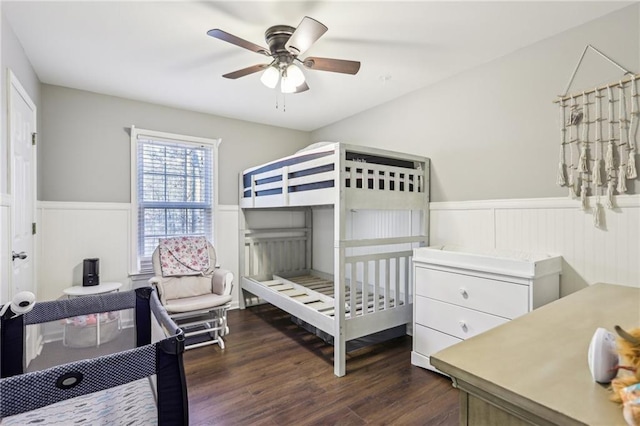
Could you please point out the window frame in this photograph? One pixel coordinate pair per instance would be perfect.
(137, 134)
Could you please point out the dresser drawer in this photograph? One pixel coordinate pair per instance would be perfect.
(452, 319)
(500, 298)
(427, 341)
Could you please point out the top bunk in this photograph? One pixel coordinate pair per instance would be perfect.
(328, 173)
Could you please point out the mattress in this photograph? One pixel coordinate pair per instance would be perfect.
(129, 404)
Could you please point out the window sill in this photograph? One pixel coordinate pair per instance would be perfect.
(141, 276)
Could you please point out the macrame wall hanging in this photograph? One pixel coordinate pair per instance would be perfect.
(598, 146)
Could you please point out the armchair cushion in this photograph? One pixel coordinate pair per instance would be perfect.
(189, 304)
(179, 287)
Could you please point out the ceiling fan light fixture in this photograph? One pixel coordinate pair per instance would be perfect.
(287, 85)
(270, 77)
(295, 74)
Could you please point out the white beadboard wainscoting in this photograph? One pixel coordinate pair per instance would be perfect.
(69, 232)
(550, 225)
(227, 247)
(5, 248)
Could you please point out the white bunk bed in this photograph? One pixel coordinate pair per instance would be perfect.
(353, 280)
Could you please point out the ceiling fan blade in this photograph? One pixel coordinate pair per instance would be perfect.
(230, 38)
(305, 35)
(302, 88)
(333, 65)
(245, 71)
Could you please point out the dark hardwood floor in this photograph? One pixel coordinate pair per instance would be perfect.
(274, 373)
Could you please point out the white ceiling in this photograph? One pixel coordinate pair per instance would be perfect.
(159, 52)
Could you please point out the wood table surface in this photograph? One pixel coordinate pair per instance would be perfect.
(535, 367)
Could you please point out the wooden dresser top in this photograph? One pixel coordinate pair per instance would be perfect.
(539, 361)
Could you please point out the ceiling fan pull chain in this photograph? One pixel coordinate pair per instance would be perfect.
(284, 103)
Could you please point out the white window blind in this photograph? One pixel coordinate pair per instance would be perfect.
(174, 193)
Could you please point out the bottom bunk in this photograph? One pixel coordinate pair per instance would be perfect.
(318, 294)
(343, 290)
(370, 315)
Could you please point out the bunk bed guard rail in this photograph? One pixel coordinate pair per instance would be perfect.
(308, 178)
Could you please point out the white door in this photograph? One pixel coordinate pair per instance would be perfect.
(22, 129)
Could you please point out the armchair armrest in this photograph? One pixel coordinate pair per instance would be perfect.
(154, 281)
(222, 281)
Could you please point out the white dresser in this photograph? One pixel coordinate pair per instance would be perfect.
(460, 292)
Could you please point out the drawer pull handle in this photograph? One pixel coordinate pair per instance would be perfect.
(463, 325)
(464, 293)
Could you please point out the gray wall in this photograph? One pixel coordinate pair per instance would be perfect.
(493, 132)
(14, 59)
(84, 153)
(83, 150)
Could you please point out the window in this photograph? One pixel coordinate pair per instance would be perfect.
(173, 188)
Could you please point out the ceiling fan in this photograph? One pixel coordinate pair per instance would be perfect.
(285, 45)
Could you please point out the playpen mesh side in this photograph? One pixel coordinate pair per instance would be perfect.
(30, 391)
(160, 313)
(67, 308)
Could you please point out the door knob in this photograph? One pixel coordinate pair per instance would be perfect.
(21, 255)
